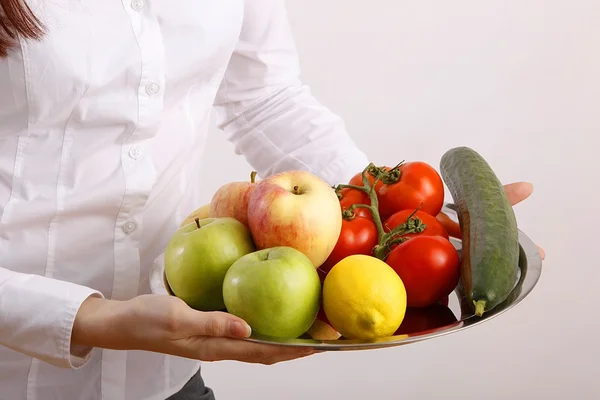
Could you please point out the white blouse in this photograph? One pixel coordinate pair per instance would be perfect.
(102, 124)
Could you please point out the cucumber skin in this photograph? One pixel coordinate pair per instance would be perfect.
(490, 257)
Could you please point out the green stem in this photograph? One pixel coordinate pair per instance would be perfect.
(396, 236)
(409, 226)
(393, 175)
(253, 177)
(349, 213)
(338, 188)
(370, 190)
(479, 307)
(374, 206)
(337, 192)
(396, 240)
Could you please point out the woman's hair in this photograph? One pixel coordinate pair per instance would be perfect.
(17, 19)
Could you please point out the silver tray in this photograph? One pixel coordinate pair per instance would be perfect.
(435, 321)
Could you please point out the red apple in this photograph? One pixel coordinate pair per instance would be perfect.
(231, 200)
(296, 209)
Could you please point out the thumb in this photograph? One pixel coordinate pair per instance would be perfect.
(518, 191)
(219, 324)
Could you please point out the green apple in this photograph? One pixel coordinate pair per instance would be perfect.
(198, 256)
(277, 291)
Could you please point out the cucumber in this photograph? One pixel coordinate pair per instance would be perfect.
(490, 238)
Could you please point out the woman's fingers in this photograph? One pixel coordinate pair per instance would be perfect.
(542, 252)
(165, 324)
(219, 349)
(216, 324)
(220, 336)
(518, 191)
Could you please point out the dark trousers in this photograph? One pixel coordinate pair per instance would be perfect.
(194, 389)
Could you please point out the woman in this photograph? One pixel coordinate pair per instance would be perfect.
(104, 108)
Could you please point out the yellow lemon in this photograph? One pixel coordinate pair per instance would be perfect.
(364, 298)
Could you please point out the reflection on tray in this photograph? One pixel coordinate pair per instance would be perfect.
(427, 319)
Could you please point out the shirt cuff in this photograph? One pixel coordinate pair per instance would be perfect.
(343, 168)
(37, 316)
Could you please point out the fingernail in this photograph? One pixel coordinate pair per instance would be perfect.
(240, 329)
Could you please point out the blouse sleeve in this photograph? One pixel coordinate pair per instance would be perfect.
(269, 115)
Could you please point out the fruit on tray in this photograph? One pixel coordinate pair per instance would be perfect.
(231, 200)
(433, 227)
(358, 236)
(489, 228)
(295, 209)
(370, 258)
(412, 185)
(429, 267)
(277, 291)
(198, 256)
(363, 298)
(321, 328)
(349, 197)
(322, 331)
(199, 213)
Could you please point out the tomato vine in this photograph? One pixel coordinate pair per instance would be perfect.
(386, 240)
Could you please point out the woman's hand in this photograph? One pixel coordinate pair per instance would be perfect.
(165, 324)
(516, 193)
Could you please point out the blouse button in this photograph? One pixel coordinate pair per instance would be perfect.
(152, 88)
(137, 5)
(136, 152)
(129, 227)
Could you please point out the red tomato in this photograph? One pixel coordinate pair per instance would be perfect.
(429, 267)
(419, 183)
(355, 196)
(434, 227)
(358, 236)
(445, 301)
(358, 181)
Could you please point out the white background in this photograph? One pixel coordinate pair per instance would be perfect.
(519, 82)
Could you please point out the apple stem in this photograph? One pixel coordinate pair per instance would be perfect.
(296, 190)
(253, 176)
(197, 222)
(385, 239)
